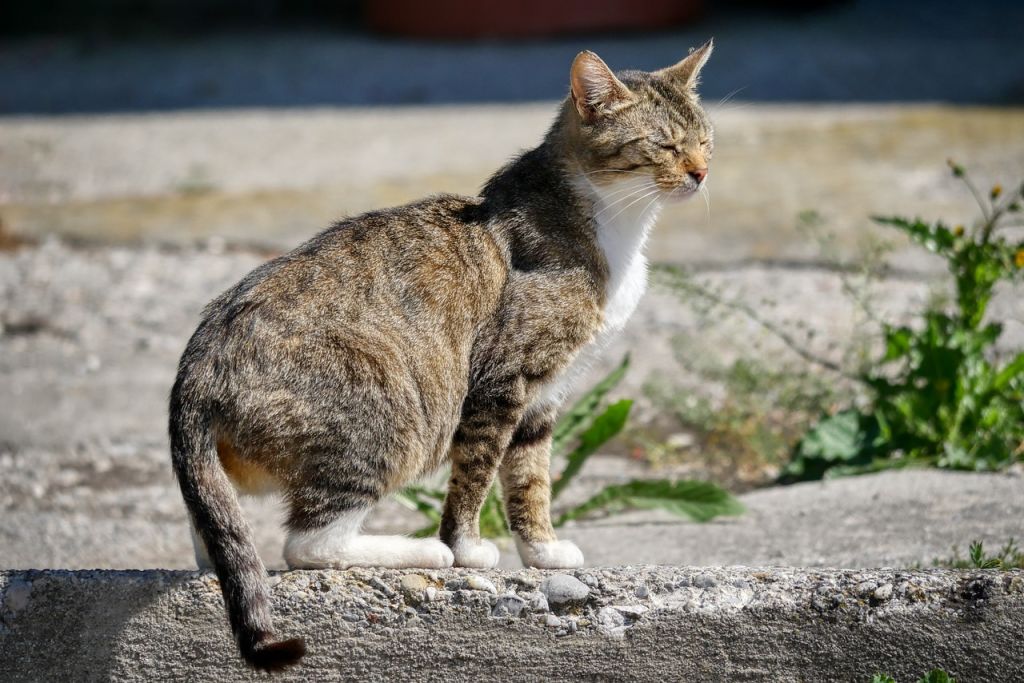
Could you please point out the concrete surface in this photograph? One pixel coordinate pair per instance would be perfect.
(275, 177)
(90, 339)
(636, 624)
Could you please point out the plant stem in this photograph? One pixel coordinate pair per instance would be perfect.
(686, 284)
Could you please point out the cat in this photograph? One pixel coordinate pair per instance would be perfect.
(445, 331)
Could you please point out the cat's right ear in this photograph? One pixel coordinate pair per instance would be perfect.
(594, 89)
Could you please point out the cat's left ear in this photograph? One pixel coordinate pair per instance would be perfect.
(686, 74)
(595, 90)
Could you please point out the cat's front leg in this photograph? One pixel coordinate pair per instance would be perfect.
(475, 454)
(526, 482)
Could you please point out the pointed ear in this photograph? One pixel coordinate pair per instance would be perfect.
(686, 74)
(594, 88)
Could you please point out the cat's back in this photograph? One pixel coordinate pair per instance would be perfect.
(430, 265)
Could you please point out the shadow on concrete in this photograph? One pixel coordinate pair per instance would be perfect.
(868, 51)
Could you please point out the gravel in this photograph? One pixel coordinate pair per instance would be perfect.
(563, 591)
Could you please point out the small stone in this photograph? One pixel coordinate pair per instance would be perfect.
(633, 612)
(563, 590)
(679, 440)
(883, 592)
(526, 581)
(609, 618)
(509, 605)
(704, 581)
(430, 594)
(590, 580)
(536, 601)
(479, 583)
(641, 592)
(351, 617)
(412, 586)
(551, 621)
(382, 587)
(866, 588)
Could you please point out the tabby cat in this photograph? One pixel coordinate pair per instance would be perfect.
(443, 332)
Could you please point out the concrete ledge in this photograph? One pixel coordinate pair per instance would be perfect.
(624, 623)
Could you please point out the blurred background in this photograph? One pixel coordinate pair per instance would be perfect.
(150, 55)
(153, 151)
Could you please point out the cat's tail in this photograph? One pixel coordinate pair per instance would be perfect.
(218, 519)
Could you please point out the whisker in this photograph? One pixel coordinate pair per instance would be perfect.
(731, 95)
(642, 189)
(654, 191)
(650, 203)
(626, 190)
(706, 193)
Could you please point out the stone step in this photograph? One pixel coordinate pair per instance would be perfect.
(622, 623)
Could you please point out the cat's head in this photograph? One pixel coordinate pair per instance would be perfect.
(647, 127)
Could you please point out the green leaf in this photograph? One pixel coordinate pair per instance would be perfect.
(882, 678)
(936, 676)
(1013, 369)
(838, 437)
(846, 438)
(427, 531)
(698, 500)
(426, 501)
(579, 417)
(603, 428)
(492, 515)
(897, 342)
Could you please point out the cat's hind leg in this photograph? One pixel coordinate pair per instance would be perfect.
(526, 483)
(340, 545)
(327, 506)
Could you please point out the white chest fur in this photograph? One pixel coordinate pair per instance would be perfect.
(624, 213)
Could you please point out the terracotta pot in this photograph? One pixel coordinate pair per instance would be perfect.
(523, 18)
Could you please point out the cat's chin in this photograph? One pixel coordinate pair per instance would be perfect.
(680, 194)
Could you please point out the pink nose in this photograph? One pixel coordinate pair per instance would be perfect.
(699, 174)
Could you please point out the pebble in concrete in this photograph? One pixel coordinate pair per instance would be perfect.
(479, 583)
(564, 591)
(509, 605)
(536, 601)
(883, 592)
(413, 586)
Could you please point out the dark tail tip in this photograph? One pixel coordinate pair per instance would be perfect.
(276, 656)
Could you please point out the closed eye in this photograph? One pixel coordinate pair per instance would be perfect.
(671, 148)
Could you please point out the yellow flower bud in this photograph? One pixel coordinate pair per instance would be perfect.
(996, 190)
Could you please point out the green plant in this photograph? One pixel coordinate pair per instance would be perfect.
(1009, 556)
(588, 425)
(938, 395)
(933, 676)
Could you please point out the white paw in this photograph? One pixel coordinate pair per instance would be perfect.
(433, 554)
(321, 551)
(550, 555)
(477, 554)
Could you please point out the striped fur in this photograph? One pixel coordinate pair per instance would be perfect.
(437, 332)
